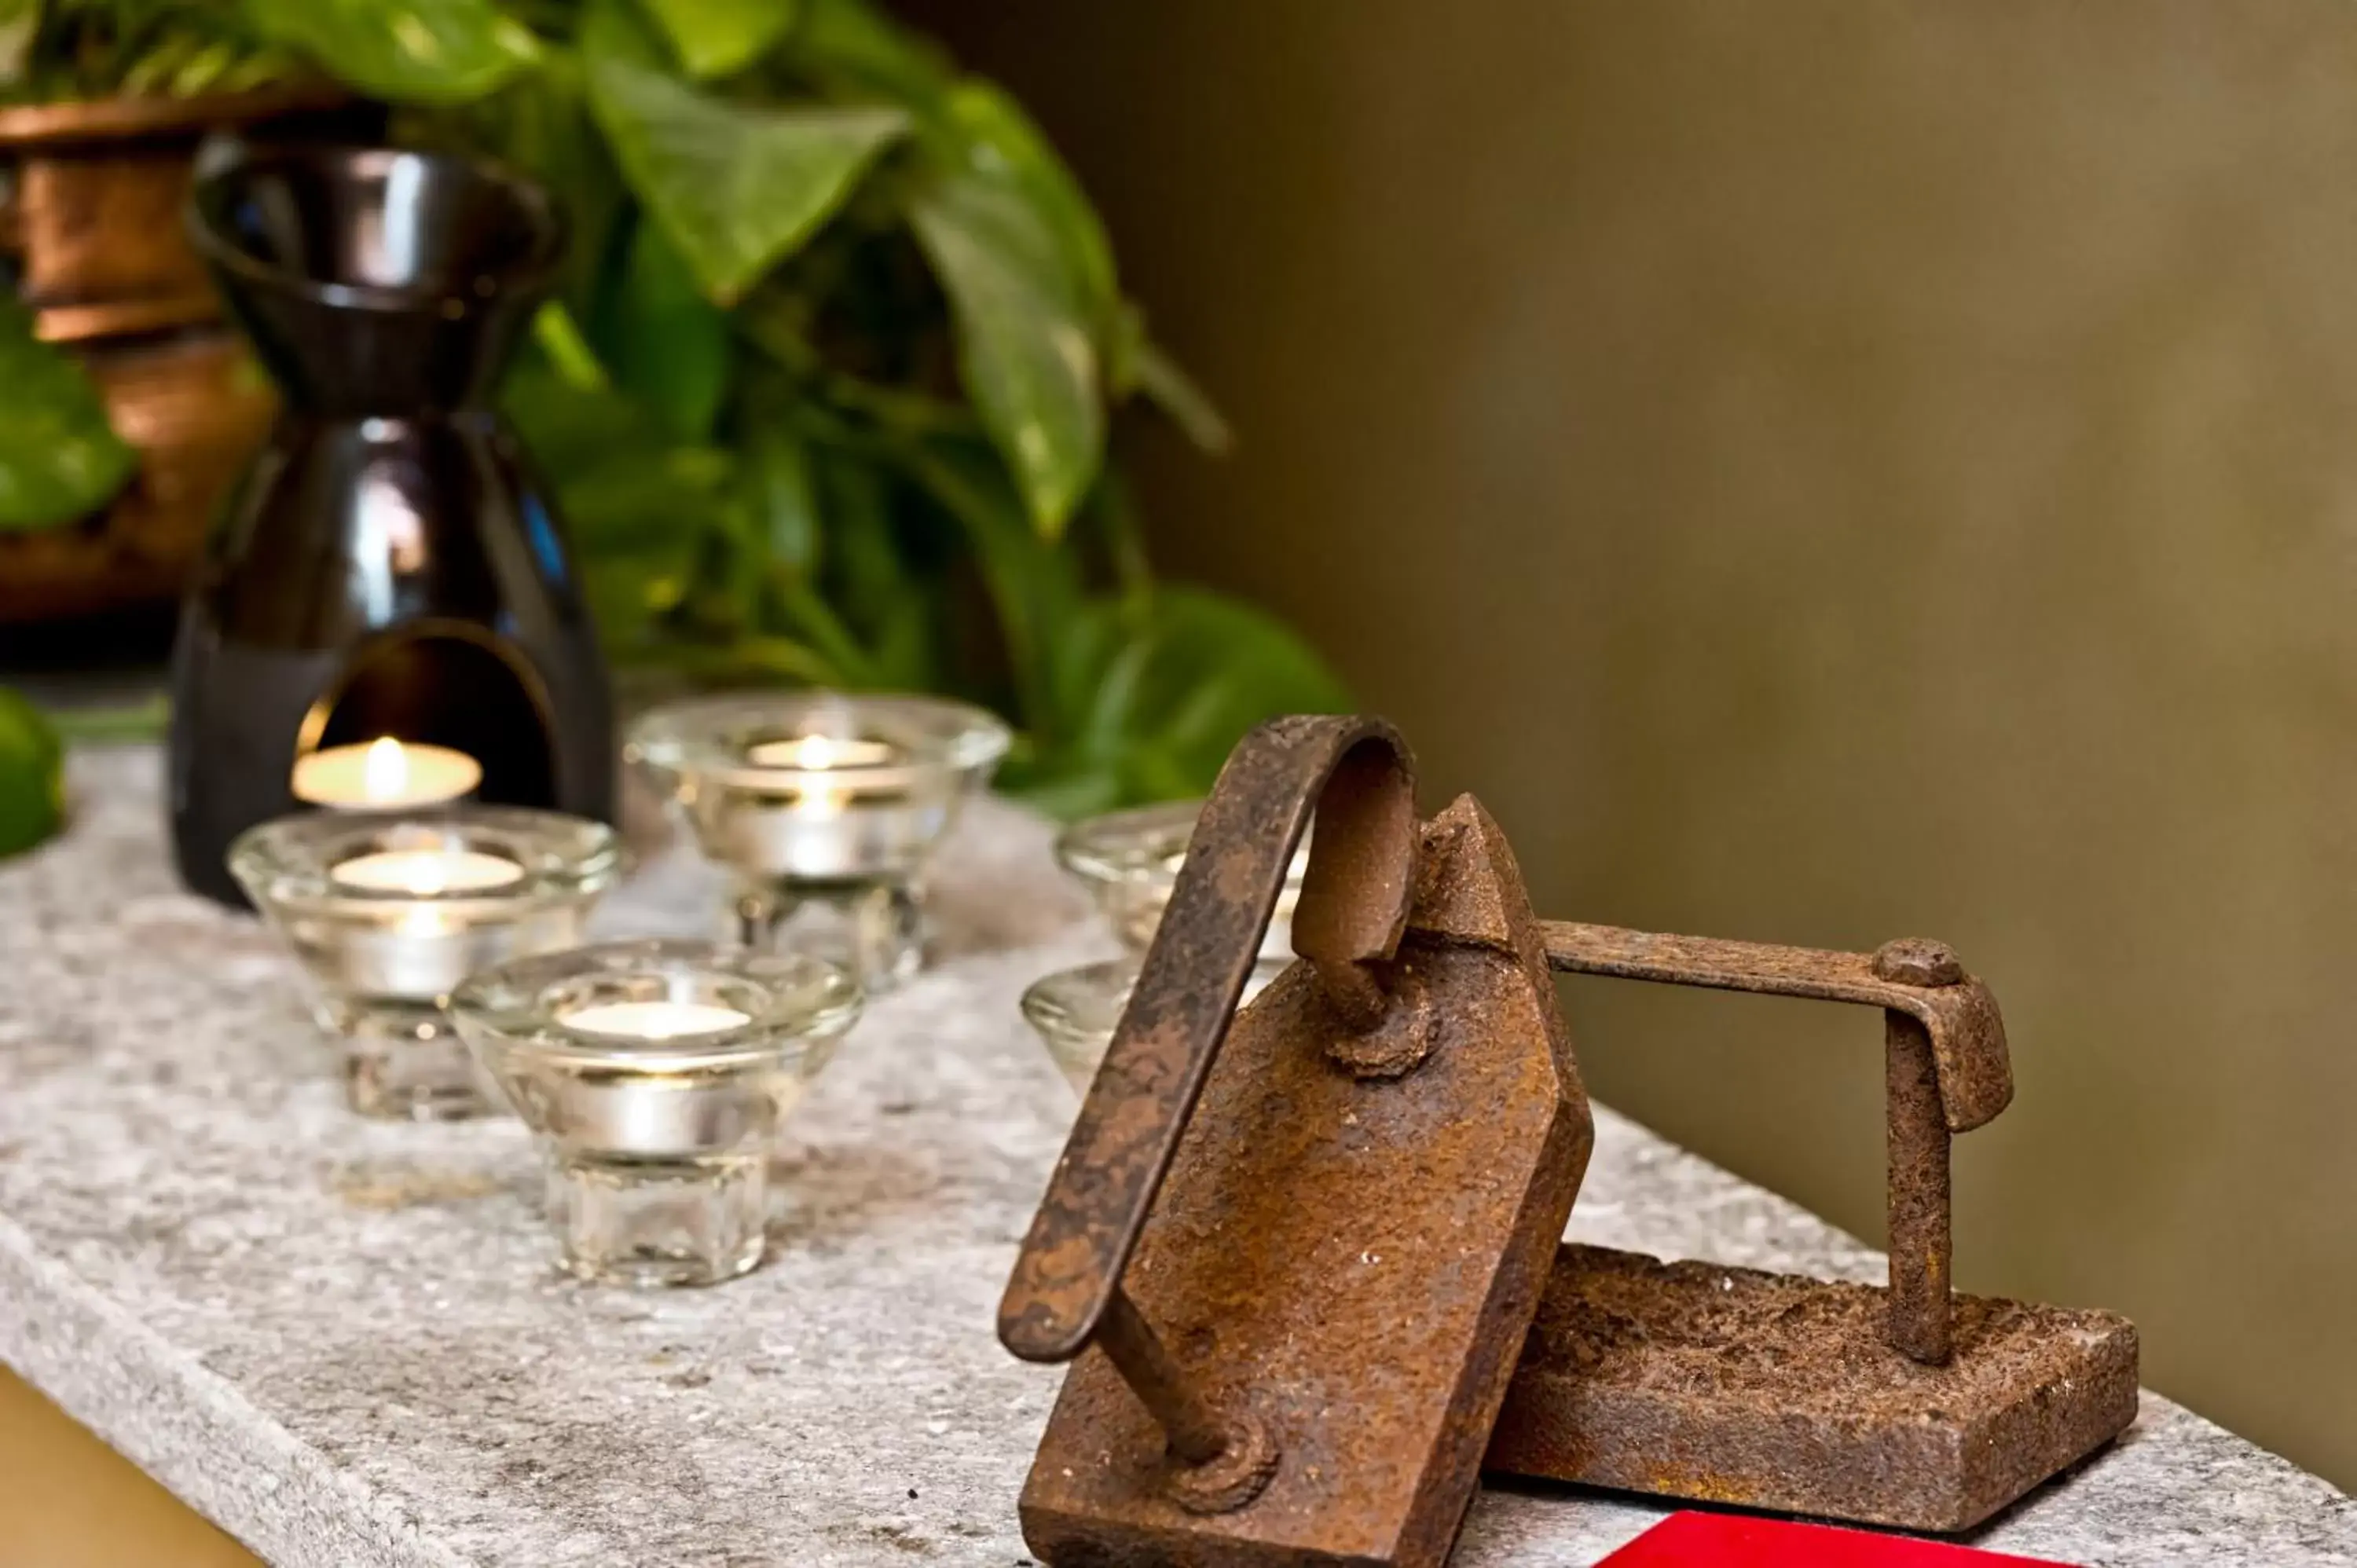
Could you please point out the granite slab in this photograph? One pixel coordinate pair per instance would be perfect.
(345, 1343)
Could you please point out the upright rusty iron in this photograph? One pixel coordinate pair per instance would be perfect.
(1294, 1314)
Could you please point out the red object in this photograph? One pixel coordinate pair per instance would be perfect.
(1737, 1541)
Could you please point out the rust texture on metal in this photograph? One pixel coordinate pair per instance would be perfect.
(1967, 1035)
(1906, 1406)
(1771, 1392)
(1296, 1311)
(1916, 1193)
(1945, 1067)
(1354, 901)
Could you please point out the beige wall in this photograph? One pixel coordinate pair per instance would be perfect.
(1826, 469)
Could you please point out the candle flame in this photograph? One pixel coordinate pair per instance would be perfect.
(816, 751)
(384, 772)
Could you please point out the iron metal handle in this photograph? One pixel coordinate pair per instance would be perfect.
(1968, 1048)
(1355, 898)
(1946, 1071)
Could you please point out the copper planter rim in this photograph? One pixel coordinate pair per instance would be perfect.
(132, 117)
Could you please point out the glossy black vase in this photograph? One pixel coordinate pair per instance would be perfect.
(388, 566)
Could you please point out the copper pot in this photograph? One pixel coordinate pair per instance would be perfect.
(90, 202)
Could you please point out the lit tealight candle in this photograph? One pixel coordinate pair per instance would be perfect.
(653, 1020)
(819, 753)
(384, 772)
(427, 947)
(425, 871)
(815, 833)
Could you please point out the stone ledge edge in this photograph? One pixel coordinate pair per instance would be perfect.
(189, 1429)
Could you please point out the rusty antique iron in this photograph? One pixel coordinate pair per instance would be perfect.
(1295, 1313)
(1906, 1406)
(1292, 1256)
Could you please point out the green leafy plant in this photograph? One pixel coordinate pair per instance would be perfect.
(826, 393)
(59, 458)
(32, 793)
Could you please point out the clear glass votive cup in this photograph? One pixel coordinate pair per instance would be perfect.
(389, 911)
(1129, 862)
(655, 1076)
(827, 807)
(1074, 1011)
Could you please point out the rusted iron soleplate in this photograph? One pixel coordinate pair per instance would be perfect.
(1775, 1392)
(1353, 1259)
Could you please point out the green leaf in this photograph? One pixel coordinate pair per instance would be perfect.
(640, 507)
(850, 44)
(540, 123)
(425, 52)
(1001, 143)
(1024, 347)
(1034, 588)
(779, 547)
(738, 186)
(20, 22)
(570, 426)
(766, 659)
(720, 37)
(558, 335)
(666, 343)
(32, 786)
(783, 496)
(1156, 689)
(871, 575)
(58, 456)
(1133, 364)
(1175, 394)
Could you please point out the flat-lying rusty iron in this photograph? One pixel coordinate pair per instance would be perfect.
(1297, 1314)
(1295, 1255)
(1906, 1406)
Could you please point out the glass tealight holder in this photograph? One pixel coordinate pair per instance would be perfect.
(826, 808)
(655, 1076)
(1129, 862)
(1073, 1011)
(389, 911)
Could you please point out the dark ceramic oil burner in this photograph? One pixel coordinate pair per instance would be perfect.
(388, 566)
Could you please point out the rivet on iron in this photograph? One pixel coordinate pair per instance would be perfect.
(1398, 1038)
(1917, 960)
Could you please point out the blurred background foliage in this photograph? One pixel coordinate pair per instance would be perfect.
(825, 388)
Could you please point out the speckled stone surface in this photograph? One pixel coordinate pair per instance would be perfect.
(344, 1341)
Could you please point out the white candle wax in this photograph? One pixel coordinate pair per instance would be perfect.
(815, 835)
(425, 871)
(384, 772)
(432, 944)
(653, 1020)
(820, 752)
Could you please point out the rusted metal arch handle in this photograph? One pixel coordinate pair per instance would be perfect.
(1354, 904)
(1946, 1071)
(1066, 1290)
